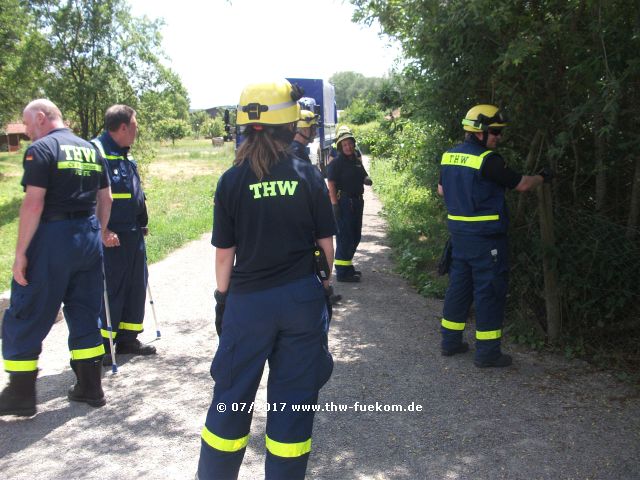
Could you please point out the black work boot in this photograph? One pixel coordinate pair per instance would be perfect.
(462, 348)
(19, 397)
(502, 361)
(135, 347)
(349, 278)
(88, 388)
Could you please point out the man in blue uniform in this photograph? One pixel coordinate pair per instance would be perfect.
(58, 259)
(305, 133)
(125, 259)
(346, 177)
(473, 181)
(270, 211)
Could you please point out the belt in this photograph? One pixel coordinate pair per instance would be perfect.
(56, 217)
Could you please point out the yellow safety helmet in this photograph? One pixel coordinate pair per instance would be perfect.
(307, 119)
(343, 132)
(269, 103)
(482, 117)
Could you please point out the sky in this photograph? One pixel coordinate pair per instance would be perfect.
(218, 46)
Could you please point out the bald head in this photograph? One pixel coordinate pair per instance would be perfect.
(40, 117)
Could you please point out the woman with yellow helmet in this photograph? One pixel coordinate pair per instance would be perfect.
(270, 210)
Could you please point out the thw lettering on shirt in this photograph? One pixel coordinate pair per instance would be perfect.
(273, 188)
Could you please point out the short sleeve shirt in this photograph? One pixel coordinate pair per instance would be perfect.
(273, 222)
(69, 168)
(348, 174)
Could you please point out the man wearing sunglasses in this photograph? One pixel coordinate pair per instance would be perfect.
(473, 179)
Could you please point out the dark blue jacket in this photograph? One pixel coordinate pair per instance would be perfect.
(128, 211)
(475, 206)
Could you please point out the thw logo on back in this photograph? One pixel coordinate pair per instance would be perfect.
(273, 188)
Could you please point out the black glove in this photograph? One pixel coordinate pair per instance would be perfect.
(336, 212)
(547, 174)
(221, 300)
(328, 291)
(367, 181)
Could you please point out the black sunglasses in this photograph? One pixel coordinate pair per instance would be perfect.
(495, 131)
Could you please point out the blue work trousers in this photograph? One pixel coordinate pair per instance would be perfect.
(64, 266)
(479, 273)
(349, 233)
(126, 272)
(286, 326)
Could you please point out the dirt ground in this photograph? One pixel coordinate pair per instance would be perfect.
(543, 418)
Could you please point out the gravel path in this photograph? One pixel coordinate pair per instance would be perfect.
(544, 418)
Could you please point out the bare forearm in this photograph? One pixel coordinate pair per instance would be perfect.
(224, 266)
(333, 192)
(529, 182)
(30, 213)
(103, 207)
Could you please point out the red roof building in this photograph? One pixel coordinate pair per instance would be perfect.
(13, 133)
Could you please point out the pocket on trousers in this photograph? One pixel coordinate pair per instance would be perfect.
(222, 366)
(23, 299)
(325, 368)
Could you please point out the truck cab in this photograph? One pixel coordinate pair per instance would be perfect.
(320, 98)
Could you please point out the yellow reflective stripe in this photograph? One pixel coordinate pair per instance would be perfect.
(105, 333)
(117, 196)
(458, 159)
(98, 144)
(343, 263)
(223, 444)
(96, 167)
(21, 365)
(84, 353)
(136, 327)
(452, 325)
(288, 450)
(479, 218)
(490, 335)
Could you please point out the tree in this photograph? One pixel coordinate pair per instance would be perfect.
(197, 121)
(566, 72)
(21, 61)
(213, 127)
(166, 98)
(172, 129)
(350, 85)
(98, 54)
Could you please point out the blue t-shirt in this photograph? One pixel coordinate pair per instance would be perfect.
(69, 168)
(273, 222)
(348, 173)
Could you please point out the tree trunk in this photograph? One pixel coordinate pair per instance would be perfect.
(634, 206)
(530, 164)
(601, 173)
(551, 284)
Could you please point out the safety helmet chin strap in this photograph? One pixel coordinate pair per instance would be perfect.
(485, 137)
(299, 132)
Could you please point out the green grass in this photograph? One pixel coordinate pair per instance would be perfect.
(179, 182)
(10, 201)
(417, 230)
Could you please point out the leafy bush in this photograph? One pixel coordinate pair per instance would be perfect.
(172, 129)
(361, 111)
(213, 127)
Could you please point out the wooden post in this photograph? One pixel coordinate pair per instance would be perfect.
(549, 263)
(530, 164)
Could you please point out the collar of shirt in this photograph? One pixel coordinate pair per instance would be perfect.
(111, 147)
